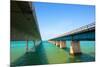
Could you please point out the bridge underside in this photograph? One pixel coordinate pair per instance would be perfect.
(24, 25)
(84, 36)
(88, 35)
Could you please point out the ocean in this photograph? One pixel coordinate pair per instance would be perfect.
(54, 54)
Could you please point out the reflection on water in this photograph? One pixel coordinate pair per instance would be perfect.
(18, 48)
(56, 55)
(48, 53)
(81, 58)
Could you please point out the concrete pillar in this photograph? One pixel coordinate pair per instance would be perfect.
(27, 46)
(33, 49)
(62, 44)
(57, 43)
(50, 41)
(75, 48)
(53, 42)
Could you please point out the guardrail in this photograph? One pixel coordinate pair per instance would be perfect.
(86, 27)
(83, 28)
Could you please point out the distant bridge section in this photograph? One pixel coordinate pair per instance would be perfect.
(84, 33)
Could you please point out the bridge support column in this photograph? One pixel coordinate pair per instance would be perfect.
(62, 44)
(27, 46)
(75, 48)
(57, 43)
(53, 42)
(50, 41)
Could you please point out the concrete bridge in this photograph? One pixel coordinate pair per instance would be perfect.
(84, 33)
(24, 26)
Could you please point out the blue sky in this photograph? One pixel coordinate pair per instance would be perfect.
(55, 19)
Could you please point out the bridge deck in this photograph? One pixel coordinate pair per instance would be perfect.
(84, 30)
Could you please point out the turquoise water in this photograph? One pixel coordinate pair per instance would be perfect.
(54, 54)
(87, 47)
(18, 49)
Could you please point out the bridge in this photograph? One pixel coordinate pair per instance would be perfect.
(84, 33)
(24, 26)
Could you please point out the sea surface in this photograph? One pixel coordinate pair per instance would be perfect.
(54, 54)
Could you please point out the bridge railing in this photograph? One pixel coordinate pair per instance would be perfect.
(83, 28)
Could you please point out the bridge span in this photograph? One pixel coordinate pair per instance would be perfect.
(84, 33)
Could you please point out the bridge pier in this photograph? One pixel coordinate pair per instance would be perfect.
(53, 42)
(57, 43)
(75, 48)
(62, 44)
(50, 41)
(27, 46)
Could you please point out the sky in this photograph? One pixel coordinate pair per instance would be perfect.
(55, 19)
